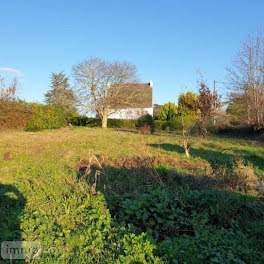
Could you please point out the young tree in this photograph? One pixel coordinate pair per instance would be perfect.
(187, 108)
(61, 94)
(99, 86)
(187, 123)
(187, 103)
(208, 103)
(168, 112)
(246, 79)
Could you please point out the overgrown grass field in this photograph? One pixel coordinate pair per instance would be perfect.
(89, 195)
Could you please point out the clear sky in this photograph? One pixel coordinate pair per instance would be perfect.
(168, 41)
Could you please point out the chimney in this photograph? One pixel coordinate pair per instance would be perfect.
(151, 83)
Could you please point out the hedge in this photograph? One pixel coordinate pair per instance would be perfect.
(122, 123)
(125, 123)
(96, 122)
(46, 117)
(14, 114)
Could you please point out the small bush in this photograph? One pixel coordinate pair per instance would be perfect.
(235, 175)
(159, 125)
(145, 130)
(175, 124)
(247, 180)
(46, 117)
(146, 120)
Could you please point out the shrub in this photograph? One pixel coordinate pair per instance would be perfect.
(247, 180)
(14, 114)
(235, 175)
(45, 117)
(146, 120)
(145, 130)
(159, 124)
(175, 124)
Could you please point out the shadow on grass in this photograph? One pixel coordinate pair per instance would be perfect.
(252, 158)
(174, 209)
(210, 156)
(129, 130)
(12, 203)
(169, 147)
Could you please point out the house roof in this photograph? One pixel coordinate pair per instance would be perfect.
(132, 95)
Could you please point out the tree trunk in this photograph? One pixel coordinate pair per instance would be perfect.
(186, 148)
(104, 121)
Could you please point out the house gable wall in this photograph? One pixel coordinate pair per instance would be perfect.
(131, 113)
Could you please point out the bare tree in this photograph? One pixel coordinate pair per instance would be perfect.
(246, 78)
(99, 86)
(8, 91)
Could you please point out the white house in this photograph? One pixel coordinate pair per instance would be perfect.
(137, 101)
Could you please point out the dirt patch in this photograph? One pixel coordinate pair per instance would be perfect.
(139, 162)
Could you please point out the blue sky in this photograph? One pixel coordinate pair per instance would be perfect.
(168, 41)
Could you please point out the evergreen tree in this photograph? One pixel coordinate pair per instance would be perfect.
(187, 103)
(61, 94)
(168, 112)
